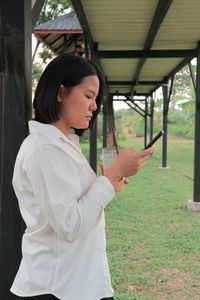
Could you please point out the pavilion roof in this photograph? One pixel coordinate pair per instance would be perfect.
(60, 33)
(140, 43)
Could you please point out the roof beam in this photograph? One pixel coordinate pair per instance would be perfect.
(178, 68)
(57, 39)
(78, 8)
(143, 111)
(133, 101)
(131, 106)
(147, 54)
(44, 42)
(136, 82)
(69, 42)
(141, 94)
(160, 13)
(83, 21)
(128, 95)
(49, 31)
(174, 71)
(46, 36)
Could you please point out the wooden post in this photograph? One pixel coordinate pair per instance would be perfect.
(110, 122)
(105, 113)
(196, 194)
(151, 118)
(145, 123)
(93, 147)
(93, 132)
(15, 109)
(165, 112)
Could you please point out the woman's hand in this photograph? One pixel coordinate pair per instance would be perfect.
(127, 163)
(126, 181)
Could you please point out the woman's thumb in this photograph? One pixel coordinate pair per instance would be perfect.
(101, 168)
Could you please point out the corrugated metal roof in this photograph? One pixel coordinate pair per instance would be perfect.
(141, 25)
(119, 25)
(145, 26)
(68, 21)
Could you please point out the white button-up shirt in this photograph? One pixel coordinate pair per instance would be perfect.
(62, 203)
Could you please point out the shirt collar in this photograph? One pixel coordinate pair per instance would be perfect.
(51, 131)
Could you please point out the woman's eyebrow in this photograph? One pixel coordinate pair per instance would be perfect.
(89, 90)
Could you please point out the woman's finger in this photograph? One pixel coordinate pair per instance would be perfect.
(126, 181)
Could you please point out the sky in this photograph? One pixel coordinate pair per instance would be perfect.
(120, 105)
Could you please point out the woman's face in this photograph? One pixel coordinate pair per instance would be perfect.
(78, 105)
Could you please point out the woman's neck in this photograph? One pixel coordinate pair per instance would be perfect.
(62, 127)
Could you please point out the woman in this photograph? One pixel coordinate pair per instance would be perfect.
(61, 199)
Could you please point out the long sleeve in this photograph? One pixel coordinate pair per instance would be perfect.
(55, 179)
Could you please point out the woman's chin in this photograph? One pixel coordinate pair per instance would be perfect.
(84, 126)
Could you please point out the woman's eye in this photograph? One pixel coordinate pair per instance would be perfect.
(89, 97)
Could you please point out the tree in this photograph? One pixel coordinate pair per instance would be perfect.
(36, 71)
(189, 107)
(52, 9)
(182, 82)
(181, 86)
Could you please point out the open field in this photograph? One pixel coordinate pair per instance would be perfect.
(153, 241)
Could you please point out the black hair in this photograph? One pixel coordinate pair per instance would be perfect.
(69, 70)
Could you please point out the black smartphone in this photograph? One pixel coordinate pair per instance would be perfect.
(154, 139)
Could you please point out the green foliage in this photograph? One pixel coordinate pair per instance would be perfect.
(128, 122)
(181, 86)
(189, 108)
(36, 71)
(159, 104)
(86, 136)
(180, 122)
(45, 54)
(53, 9)
(153, 241)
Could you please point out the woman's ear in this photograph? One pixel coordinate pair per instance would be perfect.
(60, 93)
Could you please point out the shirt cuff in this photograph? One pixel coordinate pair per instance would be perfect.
(103, 191)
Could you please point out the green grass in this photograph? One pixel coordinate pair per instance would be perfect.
(153, 241)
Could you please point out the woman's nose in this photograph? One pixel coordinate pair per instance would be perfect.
(93, 106)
